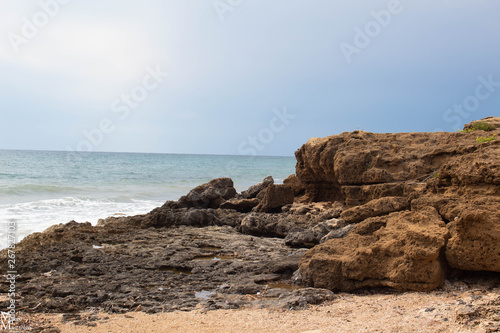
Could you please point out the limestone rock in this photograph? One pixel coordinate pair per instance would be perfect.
(374, 208)
(275, 197)
(360, 166)
(296, 185)
(401, 250)
(475, 239)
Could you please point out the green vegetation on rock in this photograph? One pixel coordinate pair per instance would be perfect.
(481, 139)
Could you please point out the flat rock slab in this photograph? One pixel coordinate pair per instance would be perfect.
(154, 270)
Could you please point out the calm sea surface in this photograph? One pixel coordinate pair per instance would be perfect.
(42, 188)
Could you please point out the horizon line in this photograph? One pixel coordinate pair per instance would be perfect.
(135, 152)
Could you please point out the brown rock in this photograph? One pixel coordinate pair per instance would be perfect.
(360, 166)
(481, 166)
(401, 250)
(275, 197)
(297, 186)
(475, 238)
(374, 208)
(240, 205)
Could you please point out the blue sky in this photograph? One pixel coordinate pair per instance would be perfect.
(240, 76)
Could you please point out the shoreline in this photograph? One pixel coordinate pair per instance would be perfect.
(455, 309)
(420, 214)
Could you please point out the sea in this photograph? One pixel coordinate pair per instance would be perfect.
(41, 188)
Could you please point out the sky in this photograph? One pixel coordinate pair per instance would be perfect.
(257, 77)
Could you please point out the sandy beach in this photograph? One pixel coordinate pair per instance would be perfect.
(457, 308)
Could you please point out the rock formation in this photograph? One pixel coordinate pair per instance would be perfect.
(363, 210)
(441, 192)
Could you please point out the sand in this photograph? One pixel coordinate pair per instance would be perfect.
(400, 312)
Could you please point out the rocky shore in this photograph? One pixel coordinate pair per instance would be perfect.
(364, 213)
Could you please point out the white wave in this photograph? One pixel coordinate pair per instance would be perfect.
(30, 217)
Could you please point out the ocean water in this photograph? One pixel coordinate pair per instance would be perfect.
(42, 188)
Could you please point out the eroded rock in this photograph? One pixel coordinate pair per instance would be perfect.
(275, 197)
(402, 250)
(377, 207)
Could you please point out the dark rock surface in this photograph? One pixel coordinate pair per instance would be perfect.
(75, 266)
(241, 205)
(209, 195)
(254, 190)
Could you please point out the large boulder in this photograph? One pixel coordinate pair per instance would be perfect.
(275, 197)
(209, 195)
(475, 237)
(359, 166)
(402, 250)
(466, 193)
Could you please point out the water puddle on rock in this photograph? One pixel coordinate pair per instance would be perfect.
(204, 294)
